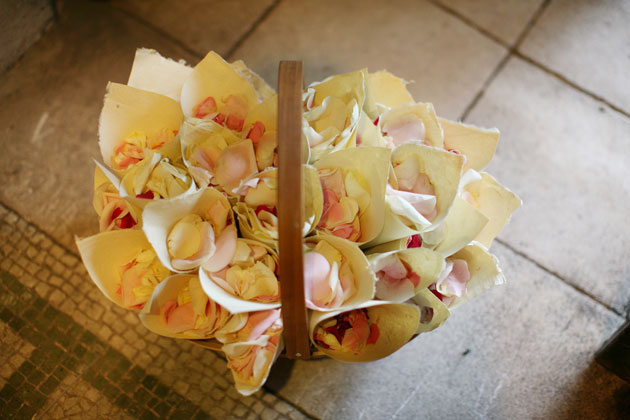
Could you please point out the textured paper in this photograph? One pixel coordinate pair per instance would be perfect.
(434, 136)
(105, 254)
(477, 144)
(214, 77)
(150, 71)
(371, 165)
(444, 170)
(363, 276)
(127, 110)
(161, 215)
(427, 264)
(397, 323)
(430, 304)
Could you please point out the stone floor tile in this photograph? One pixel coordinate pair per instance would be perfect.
(200, 25)
(588, 42)
(523, 350)
(55, 94)
(13, 351)
(505, 19)
(448, 60)
(22, 24)
(566, 155)
(76, 399)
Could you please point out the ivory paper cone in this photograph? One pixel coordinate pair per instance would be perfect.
(397, 323)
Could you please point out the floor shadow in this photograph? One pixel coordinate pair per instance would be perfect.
(597, 394)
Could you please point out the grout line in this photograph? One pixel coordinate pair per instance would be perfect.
(297, 408)
(469, 22)
(572, 84)
(159, 31)
(559, 277)
(255, 25)
(512, 50)
(48, 235)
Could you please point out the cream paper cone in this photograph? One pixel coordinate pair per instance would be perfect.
(128, 110)
(389, 90)
(397, 323)
(433, 312)
(370, 165)
(160, 216)
(233, 303)
(333, 110)
(107, 199)
(154, 73)
(155, 170)
(251, 226)
(262, 366)
(262, 88)
(444, 170)
(107, 253)
(169, 290)
(427, 264)
(477, 144)
(214, 77)
(462, 224)
(364, 277)
(424, 112)
(494, 201)
(484, 272)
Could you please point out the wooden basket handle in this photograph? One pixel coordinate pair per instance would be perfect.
(290, 209)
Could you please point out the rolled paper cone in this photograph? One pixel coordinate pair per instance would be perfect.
(443, 169)
(160, 216)
(424, 112)
(425, 263)
(333, 110)
(127, 110)
(141, 175)
(251, 226)
(370, 166)
(154, 73)
(262, 364)
(461, 226)
(484, 272)
(433, 312)
(397, 323)
(214, 77)
(363, 276)
(105, 254)
(477, 144)
(234, 303)
(262, 88)
(494, 201)
(389, 90)
(168, 291)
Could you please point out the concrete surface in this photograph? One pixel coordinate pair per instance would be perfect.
(504, 19)
(21, 24)
(524, 350)
(587, 42)
(574, 149)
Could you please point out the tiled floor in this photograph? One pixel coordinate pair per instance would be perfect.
(552, 75)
